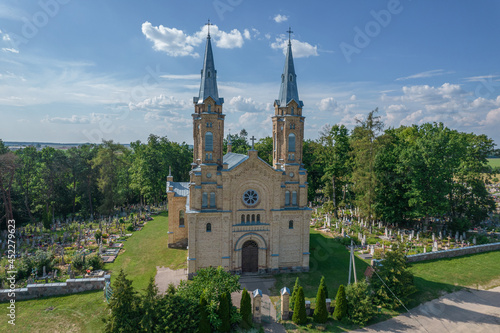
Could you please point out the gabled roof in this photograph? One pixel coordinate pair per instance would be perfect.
(233, 159)
(208, 86)
(180, 189)
(288, 88)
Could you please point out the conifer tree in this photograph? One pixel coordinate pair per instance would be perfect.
(204, 322)
(124, 306)
(320, 312)
(294, 293)
(246, 309)
(340, 304)
(225, 313)
(299, 310)
(323, 283)
(149, 306)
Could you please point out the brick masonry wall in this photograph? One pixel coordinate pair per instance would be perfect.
(71, 286)
(453, 252)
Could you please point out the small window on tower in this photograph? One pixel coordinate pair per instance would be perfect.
(293, 110)
(294, 198)
(258, 218)
(209, 107)
(242, 219)
(290, 224)
(248, 218)
(253, 218)
(209, 227)
(204, 199)
(208, 74)
(291, 77)
(287, 198)
(212, 199)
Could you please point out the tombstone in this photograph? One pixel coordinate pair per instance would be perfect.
(435, 246)
(410, 238)
(433, 237)
(402, 238)
(385, 233)
(308, 308)
(456, 236)
(372, 250)
(328, 305)
(285, 303)
(440, 235)
(474, 240)
(461, 239)
(425, 249)
(464, 235)
(257, 299)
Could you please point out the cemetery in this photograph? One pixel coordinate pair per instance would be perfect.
(69, 257)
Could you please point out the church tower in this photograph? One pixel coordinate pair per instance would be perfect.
(288, 122)
(208, 119)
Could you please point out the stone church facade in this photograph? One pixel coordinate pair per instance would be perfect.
(237, 211)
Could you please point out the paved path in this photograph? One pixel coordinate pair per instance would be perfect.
(165, 276)
(463, 311)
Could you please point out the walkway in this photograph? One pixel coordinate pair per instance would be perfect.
(462, 311)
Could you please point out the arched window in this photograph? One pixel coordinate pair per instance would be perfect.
(253, 218)
(291, 142)
(209, 227)
(290, 224)
(212, 199)
(293, 110)
(208, 73)
(204, 200)
(248, 218)
(209, 108)
(181, 219)
(291, 77)
(294, 198)
(258, 218)
(242, 219)
(209, 141)
(287, 198)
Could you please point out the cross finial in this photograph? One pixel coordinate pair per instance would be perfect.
(253, 142)
(209, 24)
(290, 32)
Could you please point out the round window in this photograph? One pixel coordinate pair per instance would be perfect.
(291, 174)
(209, 175)
(250, 197)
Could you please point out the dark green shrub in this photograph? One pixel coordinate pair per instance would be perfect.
(340, 304)
(320, 312)
(299, 310)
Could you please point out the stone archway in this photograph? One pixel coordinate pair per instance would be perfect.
(250, 257)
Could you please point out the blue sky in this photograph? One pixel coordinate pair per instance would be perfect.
(82, 71)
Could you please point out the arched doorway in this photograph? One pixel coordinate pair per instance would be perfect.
(250, 257)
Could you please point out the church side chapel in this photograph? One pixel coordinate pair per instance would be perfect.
(237, 211)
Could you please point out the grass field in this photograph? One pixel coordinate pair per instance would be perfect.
(494, 162)
(83, 312)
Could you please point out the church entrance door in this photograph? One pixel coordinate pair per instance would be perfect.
(250, 257)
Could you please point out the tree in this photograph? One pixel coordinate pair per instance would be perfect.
(8, 165)
(393, 277)
(295, 292)
(246, 309)
(225, 313)
(124, 307)
(323, 283)
(320, 312)
(204, 326)
(211, 283)
(178, 314)
(360, 305)
(364, 145)
(299, 310)
(265, 149)
(340, 304)
(149, 306)
(315, 169)
(239, 143)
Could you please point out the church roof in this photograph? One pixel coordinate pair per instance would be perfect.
(180, 189)
(208, 86)
(288, 88)
(233, 159)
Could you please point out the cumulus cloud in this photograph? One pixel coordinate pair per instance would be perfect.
(248, 105)
(74, 119)
(299, 49)
(177, 43)
(280, 18)
(159, 103)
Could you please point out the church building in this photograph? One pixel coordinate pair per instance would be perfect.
(237, 211)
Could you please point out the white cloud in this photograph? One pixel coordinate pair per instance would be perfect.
(5, 37)
(248, 105)
(74, 119)
(328, 104)
(299, 49)
(280, 18)
(177, 43)
(353, 98)
(481, 78)
(181, 76)
(492, 118)
(268, 36)
(159, 103)
(426, 74)
(12, 50)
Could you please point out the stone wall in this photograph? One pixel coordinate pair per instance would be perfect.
(453, 252)
(71, 286)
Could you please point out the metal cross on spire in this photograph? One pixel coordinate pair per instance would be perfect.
(209, 24)
(290, 32)
(253, 141)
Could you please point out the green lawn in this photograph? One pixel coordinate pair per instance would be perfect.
(494, 162)
(83, 312)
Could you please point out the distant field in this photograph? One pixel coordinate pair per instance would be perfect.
(494, 162)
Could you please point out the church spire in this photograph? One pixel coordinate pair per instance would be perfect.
(208, 86)
(288, 88)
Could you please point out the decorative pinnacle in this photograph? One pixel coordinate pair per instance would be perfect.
(208, 24)
(290, 32)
